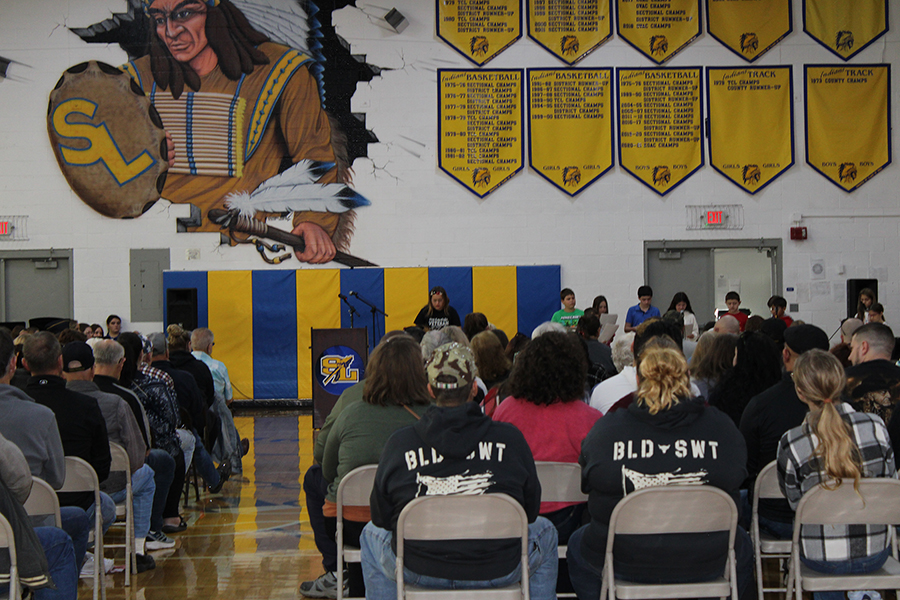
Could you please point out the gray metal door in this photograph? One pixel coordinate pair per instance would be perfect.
(35, 284)
(673, 269)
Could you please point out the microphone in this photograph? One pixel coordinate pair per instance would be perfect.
(342, 297)
(353, 293)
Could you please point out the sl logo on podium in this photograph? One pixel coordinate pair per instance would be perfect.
(339, 368)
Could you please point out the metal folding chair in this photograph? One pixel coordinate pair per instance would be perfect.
(765, 544)
(125, 511)
(560, 482)
(8, 542)
(354, 490)
(43, 502)
(81, 477)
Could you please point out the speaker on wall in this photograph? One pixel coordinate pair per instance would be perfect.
(181, 307)
(854, 287)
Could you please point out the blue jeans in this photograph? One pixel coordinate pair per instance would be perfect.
(75, 522)
(61, 559)
(587, 578)
(379, 566)
(163, 466)
(845, 567)
(107, 512)
(197, 453)
(143, 488)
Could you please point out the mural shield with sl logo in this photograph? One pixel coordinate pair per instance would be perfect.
(749, 28)
(660, 29)
(570, 31)
(477, 29)
(751, 124)
(845, 28)
(848, 122)
(660, 125)
(570, 125)
(480, 127)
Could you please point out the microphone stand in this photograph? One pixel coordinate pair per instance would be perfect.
(351, 310)
(374, 310)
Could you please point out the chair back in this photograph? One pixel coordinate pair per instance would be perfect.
(81, 477)
(120, 461)
(43, 501)
(876, 503)
(560, 481)
(8, 541)
(766, 486)
(355, 488)
(674, 509)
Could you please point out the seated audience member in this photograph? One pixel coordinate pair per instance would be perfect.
(757, 367)
(568, 315)
(454, 431)
(438, 313)
(415, 332)
(601, 365)
(834, 446)
(663, 415)
(641, 311)
(769, 415)
(774, 328)
(873, 380)
(733, 302)
(545, 405)
(777, 305)
(516, 345)
(179, 344)
(87, 330)
(866, 300)
(716, 359)
(545, 327)
(395, 395)
(618, 386)
(622, 356)
(113, 327)
(754, 323)
(98, 330)
(841, 350)
(501, 336)
(876, 313)
(473, 324)
(728, 324)
(70, 335)
(493, 366)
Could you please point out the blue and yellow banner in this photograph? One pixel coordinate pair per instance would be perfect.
(751, 124)
(570, 125)
(848, 122)
(569, 30)
(845, 27)
(749, 28)
(660, 29)
(479, 29)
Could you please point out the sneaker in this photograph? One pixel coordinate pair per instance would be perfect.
(144, 562)
(87, 569)
(325, 586)
(157, 540)
(224, 471)
(864, 595)
(245, 446)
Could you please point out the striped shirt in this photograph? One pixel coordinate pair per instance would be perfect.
(799, 472)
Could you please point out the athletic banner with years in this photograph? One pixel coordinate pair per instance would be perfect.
(569, 30)
(480, 127)
(845, 28)
(658, 29)
(660, 125)
(570, 125)
(751, 124)
(848, 122)
(479, 29)
(749, 28)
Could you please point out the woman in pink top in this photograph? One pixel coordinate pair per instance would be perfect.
(547, 385)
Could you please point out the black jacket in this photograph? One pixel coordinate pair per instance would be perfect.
(185, 361)
(188, 393)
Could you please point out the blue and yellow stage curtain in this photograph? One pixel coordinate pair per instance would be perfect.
(262, 319)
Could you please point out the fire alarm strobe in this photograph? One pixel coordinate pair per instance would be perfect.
(798, 233)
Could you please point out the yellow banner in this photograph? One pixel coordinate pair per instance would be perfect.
(848, 125)
(479, 29)
(749, 27)
(845, 27)
(751, 124)
(480, 135)
(570, 125)
(660, 125)
(570, 30)
(658, 29)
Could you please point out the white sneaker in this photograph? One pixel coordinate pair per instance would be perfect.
(864, 595)
(87, 569)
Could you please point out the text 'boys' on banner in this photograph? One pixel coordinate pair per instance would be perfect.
(480, 126)
(569, 30)
(658, 29)
(660, 125)
(848, 122)
(845, 27)
(749, 28)
(751, 124)
(570, 125)
(479, 29)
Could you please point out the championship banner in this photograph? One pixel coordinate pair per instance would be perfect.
(749, 28)
(479, 29)
(658, 29)
(845, 27)
(848, 122)
(569, 30)
(570, 125)
(751, 124)
(480, 131)
(660, 125)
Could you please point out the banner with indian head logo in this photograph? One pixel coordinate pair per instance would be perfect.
(480, 126)
(569, 30)
(751, 124)
(658, 29)
(845, 27)
(749, 28)
(479, 29)
(848, 122)
(570, 125)
(660, 125)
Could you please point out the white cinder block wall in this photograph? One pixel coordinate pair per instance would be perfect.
(419, 216)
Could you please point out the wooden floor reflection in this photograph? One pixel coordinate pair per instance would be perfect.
(252, 540)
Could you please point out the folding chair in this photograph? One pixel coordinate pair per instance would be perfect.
(878, 503)
(354, 490)
(81, 477)
(446, 518)
(43, 502)
(12, 577)
(673, 509)
(560, 482)
(767, 545)
(121, 463)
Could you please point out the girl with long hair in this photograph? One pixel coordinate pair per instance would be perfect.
(682, 304)
(438, 313)
(757, 367)
(865, 301)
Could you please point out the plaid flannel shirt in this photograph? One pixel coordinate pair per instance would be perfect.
(799, 472)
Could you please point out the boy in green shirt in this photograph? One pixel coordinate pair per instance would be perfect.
(568, 315)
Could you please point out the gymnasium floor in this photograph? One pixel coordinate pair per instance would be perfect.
(252, 540)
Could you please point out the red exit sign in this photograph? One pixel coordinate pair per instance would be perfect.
(714, 217)
(4, 228)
